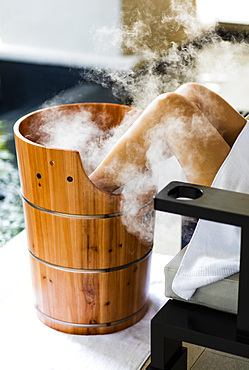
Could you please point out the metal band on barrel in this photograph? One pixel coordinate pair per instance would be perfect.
(76, 216)
(104, 325)
(90, 271)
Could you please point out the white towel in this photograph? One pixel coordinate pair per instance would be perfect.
(213, 252)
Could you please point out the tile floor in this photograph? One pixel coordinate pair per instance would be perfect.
(200, 358)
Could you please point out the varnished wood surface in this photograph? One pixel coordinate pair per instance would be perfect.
(77, 243)
(91, 298)
(77, 196)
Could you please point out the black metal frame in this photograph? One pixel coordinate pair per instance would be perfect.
(182, 321)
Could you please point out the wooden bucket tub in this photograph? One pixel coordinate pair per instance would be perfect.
(89, 274)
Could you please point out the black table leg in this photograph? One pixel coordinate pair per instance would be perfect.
(166, 353)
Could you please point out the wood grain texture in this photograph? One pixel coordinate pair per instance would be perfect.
(91, 298)
(78, 243)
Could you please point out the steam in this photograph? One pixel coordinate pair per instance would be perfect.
(226, 62)
(141, 189)
(77, 131)
(161, 166)
(159, 70)
(163, 64)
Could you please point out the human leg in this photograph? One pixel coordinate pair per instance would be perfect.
(191, 137)
(218, 111)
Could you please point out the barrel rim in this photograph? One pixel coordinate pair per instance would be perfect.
(17, 124)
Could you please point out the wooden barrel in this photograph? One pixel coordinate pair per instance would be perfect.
(90, 275)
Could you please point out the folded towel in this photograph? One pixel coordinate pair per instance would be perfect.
(213, 252)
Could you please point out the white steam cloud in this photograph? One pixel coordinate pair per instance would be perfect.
(157, 72)
(77, 131)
